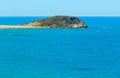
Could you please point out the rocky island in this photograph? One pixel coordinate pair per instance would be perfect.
(53, 22)
(59, 22)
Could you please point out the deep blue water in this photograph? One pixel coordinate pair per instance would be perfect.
(61, 53)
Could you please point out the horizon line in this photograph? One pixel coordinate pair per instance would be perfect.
(59, 15)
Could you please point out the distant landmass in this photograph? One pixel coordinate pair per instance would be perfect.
(52, 22)
(59, 22)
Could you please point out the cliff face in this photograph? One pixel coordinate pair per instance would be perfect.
(60, 22)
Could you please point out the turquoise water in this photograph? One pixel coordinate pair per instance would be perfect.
(18, 20)
(62, 53)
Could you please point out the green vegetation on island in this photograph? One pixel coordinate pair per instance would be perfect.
(59, 22)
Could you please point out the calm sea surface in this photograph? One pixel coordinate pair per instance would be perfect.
(61, 53)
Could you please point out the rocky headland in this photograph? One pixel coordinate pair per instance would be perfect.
(58, 22)
(52, 22)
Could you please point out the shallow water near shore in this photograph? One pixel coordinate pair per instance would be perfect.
(62, 53)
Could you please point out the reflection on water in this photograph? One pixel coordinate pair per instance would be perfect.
(14, 35)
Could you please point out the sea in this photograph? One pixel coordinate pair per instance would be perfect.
(92, 52)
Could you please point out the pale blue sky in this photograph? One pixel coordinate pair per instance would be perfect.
(60, 7)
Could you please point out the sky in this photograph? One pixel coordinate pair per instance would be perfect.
(59, 7)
